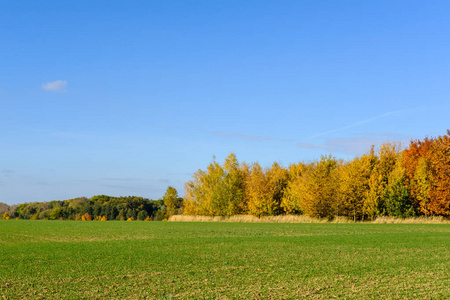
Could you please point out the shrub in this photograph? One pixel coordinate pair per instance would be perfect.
(86, 217)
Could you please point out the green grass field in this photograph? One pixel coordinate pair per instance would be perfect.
(165, 260)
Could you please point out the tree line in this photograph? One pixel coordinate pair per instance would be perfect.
(391, 181)
(99, 207)
(388, 182)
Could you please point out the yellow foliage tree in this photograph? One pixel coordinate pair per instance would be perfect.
(191, 202)
(291, 198)
(422, 185)
(355, 186)
(171, 200)
(375, 193)
(232, 191)
(216, 191)
(265, 189)
(389, 155)
(260, 202)
(6, 216)
(317, 189)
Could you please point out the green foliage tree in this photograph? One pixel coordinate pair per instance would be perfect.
(398, 201)
(55, 213)
(142, 215)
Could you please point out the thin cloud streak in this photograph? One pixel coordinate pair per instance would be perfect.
(357, 123)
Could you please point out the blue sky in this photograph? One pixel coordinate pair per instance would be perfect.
(128, 97)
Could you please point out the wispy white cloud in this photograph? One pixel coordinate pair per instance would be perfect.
(55, 86)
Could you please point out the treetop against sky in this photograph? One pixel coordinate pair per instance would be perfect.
(118, 98)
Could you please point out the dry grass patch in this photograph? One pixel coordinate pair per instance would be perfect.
(304, 219)
(253, 219)
(415, 220)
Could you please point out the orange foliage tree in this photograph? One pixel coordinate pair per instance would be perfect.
(416, 161)
(86, 217)
(440, 162)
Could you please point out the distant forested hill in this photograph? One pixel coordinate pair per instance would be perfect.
(95, 208)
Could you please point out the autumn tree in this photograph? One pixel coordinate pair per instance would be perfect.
(291, 198)
(440, 162)
(384, 164)
(216, 191)
(6, 216)
(416, 161)
(170, 201)
(86, 217)
(244, 170)
(422, 183)
(232, 191)
(398, 201)
(355, 186)
(317, 190)
(265, 188)
(193, 194)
